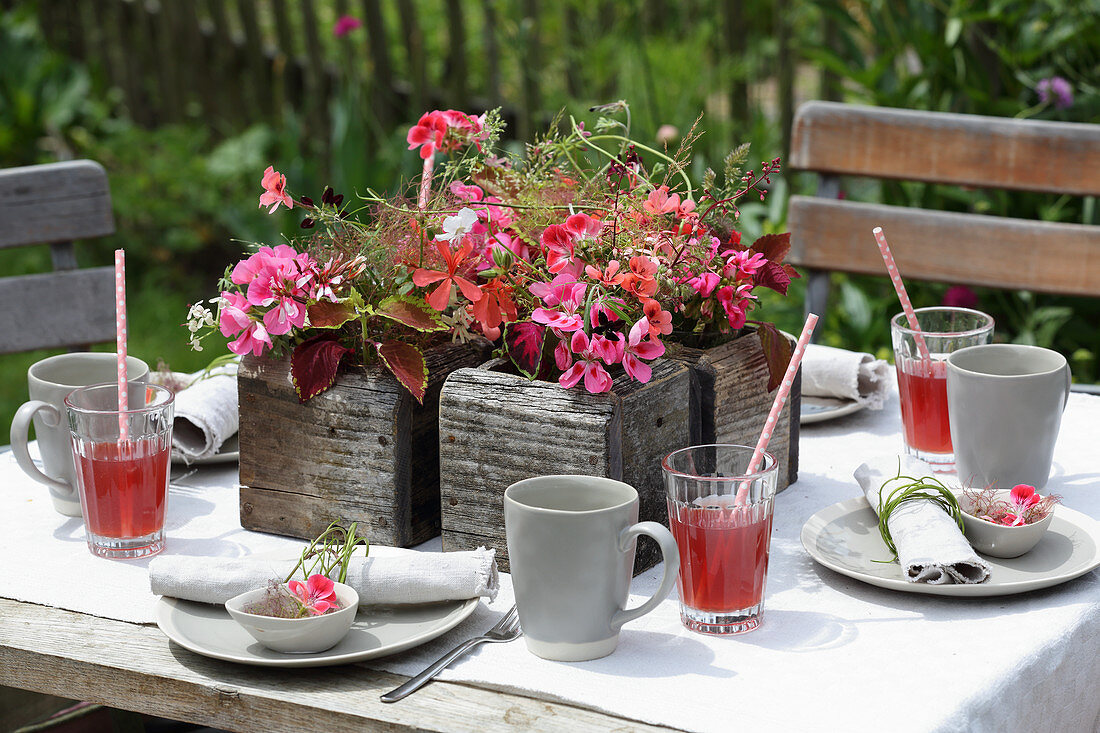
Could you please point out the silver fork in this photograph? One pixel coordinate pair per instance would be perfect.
(506, 629)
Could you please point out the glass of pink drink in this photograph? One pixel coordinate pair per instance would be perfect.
(123, 481)
(922, 384)
(721, 518)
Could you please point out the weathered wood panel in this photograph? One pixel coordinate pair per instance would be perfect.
(496, 429)
(732, 401)
(77, 307)
(54, 202)
(364, 451)
(945, 246)
(936, 147)
(135, 667)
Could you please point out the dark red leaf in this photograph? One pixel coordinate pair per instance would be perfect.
(330, 315)
(773, 246)
(314, 364)
(407, 364)
(773, 276)
(523, 342)
(791, 272)
(777, 353)
(411, 312)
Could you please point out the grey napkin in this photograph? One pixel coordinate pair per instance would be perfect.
(931, 548)
(205, 416)
(848, 375)
(405, 577)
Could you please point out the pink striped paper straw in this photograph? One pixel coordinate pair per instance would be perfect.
(899, 286)
(120, 342)
(777, 404)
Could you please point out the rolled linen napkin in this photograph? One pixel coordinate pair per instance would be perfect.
(931, 548)
(206, 415)
(849, 375)
(407, 577)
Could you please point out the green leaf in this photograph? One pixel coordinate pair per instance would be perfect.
(411, 312)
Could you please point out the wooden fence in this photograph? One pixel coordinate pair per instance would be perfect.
(234, 62)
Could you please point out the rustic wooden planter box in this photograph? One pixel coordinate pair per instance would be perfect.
(364, 451)
(730, 401)
(497, 428)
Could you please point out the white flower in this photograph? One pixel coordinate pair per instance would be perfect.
(458, 226)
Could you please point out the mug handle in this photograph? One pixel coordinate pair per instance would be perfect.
(671, 557)
(20, 430)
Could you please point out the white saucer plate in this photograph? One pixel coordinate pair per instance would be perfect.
(230, 452)
(378, 631)
(820, 409)
(844, 537)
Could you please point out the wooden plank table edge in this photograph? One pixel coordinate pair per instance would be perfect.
(135, 667)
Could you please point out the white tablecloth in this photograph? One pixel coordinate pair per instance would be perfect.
(833, 654)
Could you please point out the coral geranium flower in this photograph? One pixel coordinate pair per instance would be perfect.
(441, 296)
(274, 184)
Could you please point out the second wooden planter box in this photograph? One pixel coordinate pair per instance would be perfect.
(364, 451)
(496, 429)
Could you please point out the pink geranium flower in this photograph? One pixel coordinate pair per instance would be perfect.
(596, 378)
(705, 283)
(558, 243)
(254, 338)
(569, 299)
(317, 594)
(659, 202)
(274, 184)
(640, 345)
(233, 315)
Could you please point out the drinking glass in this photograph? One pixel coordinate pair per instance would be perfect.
(721, 517)
(123, 482)
(922, 385)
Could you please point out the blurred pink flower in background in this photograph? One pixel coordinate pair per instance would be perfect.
(1055, 90)
(345, 25)
(960, 296)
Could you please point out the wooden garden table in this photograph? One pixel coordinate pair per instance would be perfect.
(833, 653)
(135, 667)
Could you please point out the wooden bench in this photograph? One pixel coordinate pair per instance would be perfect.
(55, 204)
(828, 234)
(835, 140)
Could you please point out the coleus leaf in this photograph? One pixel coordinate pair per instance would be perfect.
(523, 341)
(777, 352)
(407, 364)
(314, 364)
(411, 312)
(773, 246)
(774, 276)
(326, 314)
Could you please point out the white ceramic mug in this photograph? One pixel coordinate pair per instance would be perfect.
(1005, 403)
(49, 381)
(571, 543)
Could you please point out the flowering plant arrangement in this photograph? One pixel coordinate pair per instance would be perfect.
(589, 253)
(1023, 506)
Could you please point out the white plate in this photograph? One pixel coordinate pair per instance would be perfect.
(230, 452)
(844, 537)
(819, 409)
(378, 630)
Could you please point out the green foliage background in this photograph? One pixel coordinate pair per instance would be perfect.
(185, 195)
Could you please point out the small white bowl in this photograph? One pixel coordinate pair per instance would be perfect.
(306, 635)
(997, 540)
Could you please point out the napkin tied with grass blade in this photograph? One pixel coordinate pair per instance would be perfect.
(931, 547)
(846, 375)
(398, 577)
